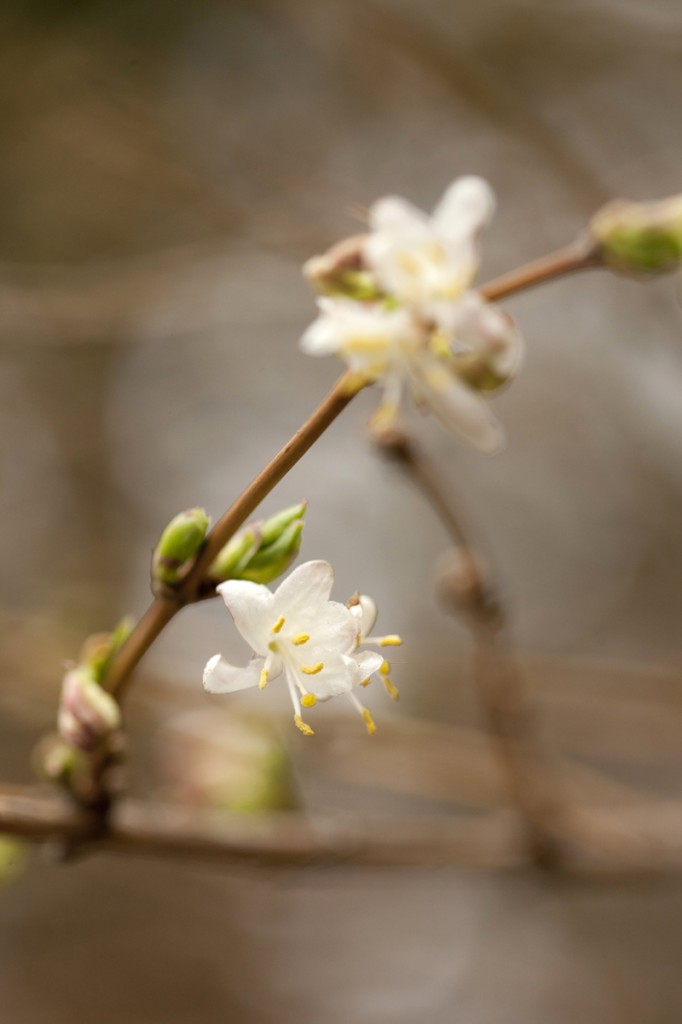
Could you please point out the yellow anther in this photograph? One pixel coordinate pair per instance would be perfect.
(308, 700)
(385, 668)
(302, 638)
(369, 722)
(263, 681)
(303, 726)
(393, 640)
(366, 682)
(312, 670)
(406, 261)
(384, 416)
(391, 690)
(278, 625)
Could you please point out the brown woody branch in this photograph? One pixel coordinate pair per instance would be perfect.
(468, 591)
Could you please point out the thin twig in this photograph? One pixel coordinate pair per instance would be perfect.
(644, 839)
(531, 778)
(580, 255)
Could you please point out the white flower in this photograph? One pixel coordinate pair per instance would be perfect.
(428, 262)
(422, 330)
(297, 631)
(390, 345)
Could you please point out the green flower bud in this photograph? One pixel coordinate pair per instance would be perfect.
(99, 649)
(54, 760)
(271, 529)
(270, 562)
(262, 551)
(639, 237)
(231, 559)
(178, 544)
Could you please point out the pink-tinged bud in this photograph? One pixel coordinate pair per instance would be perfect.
(342, 270)
(87, 714)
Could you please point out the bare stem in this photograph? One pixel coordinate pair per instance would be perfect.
(644, 838)
(166, 606)
(580, 255)
(531, 777)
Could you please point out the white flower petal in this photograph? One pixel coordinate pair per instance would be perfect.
(395, 216)
(251, 605)
(466, 207)
(457, 406)
(329, 624)
(221, 677)
(339, 675)
(324, 336)
(367, 663)
(365, 611)
(308, 585)
(484, 328)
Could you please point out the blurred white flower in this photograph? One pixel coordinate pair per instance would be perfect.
(297, 631)
(391, 346)
(429, 262)
(417, 327)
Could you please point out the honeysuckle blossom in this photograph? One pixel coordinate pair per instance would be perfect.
(428, 262)
(391, 346)
(298, 632)
(419, 328)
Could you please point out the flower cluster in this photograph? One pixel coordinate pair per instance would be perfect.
(299, 633)
(397, 307)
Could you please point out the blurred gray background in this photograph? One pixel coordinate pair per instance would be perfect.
(166, 169)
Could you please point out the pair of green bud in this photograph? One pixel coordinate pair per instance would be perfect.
(259, 552)
(639, 237)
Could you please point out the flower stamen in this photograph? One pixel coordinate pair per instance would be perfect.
(303, 726)
(302, 638)
(369, 721)
(312, 670)
(278, 625)
(391, 640)
(391, 690)
(308, 700)
(366, 715)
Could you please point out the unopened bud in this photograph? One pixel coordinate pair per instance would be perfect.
(231, 559)
(99, 649)
(272, 529)
(270, 562)
(489, 347)
(54, 759)
(639, 237)
(463, 583)
(87, 714)
(262, 551)
(342, 271)
(178, 545)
